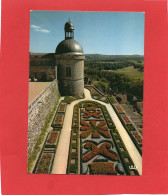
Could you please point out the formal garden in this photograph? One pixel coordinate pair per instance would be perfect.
(96, 146)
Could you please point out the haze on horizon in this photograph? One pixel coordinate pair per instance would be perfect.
(104, 33)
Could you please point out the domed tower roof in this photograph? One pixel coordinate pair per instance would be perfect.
(69, 27)
(69, 45)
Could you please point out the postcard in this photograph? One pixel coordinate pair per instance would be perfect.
(96, 76)
(85, 113)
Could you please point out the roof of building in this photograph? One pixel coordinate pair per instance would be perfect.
(69, 27)
(123, 97)
(69, 46)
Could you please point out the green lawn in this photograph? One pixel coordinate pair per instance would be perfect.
(130, 71)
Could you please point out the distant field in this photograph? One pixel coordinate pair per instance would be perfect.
(130, 71)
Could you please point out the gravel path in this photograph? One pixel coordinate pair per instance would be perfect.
(61, 157)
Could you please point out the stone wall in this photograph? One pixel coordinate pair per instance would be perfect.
(38, 111)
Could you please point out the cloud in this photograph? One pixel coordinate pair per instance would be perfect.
(39, 28)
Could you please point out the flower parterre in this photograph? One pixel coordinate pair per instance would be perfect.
(90, 108)
(58, 119)
(87, 115)
(62, 108)
(106, 168)
(97, 147)
(137, 136)
(94, 128)
(125, 118)
(119, 109)
(44, 164)
(52, 138)
(103, 149)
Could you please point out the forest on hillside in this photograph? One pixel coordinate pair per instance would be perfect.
(122, 74)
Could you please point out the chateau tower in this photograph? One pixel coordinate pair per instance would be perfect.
(70, 63)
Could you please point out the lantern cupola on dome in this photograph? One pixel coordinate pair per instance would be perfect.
(69, 30)
(69, 45)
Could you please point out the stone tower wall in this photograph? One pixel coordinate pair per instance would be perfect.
(73, 85)
(77, 87)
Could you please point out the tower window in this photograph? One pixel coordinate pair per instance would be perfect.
(68, 71)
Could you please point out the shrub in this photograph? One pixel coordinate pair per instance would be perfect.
(44, 163)
(74, 155)
(111, 99)
(73, 168)
(106, 168)
(70, 99)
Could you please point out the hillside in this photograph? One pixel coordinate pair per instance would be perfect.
(112, 57)
(95, 56)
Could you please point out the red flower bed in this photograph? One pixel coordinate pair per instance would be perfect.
(84, 123)
(126, 119)
(102, 168)
(95, 134)
(97, 114)
(93, 123)
(52, 138)
(58, 119)
(95, 129)
(105, 133)
(137, 136)
(119, 109)
(102, 150)
(102, 125)
(44, 163)
(85, 128)
(91, 108)
(62, 108)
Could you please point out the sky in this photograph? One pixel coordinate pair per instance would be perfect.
(109, 33)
